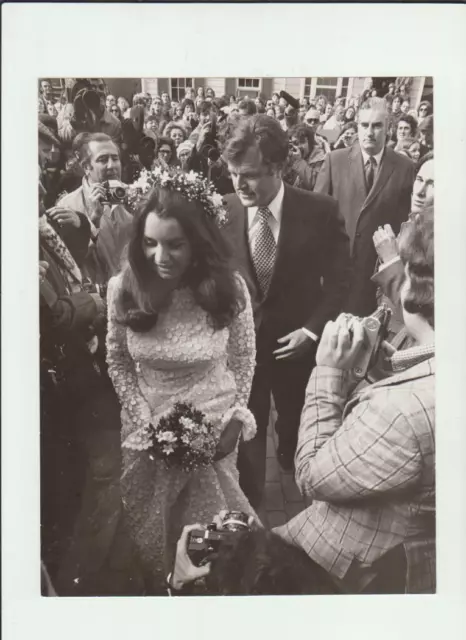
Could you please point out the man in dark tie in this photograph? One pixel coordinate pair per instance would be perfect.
(291, 247)
(373, 186)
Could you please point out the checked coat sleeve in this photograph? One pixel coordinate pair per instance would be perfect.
(370, 451)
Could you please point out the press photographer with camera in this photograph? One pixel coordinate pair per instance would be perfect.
(101, 197)
(305, 159)
(367, 459)
(86, 112)
(234, 555)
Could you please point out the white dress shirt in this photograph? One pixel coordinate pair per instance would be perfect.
(276, 209)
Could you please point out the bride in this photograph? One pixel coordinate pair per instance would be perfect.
(180, 330)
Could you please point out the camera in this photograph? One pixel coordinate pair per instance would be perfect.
(115, 192)
(202, 544)
(375, 329)
(209, 152)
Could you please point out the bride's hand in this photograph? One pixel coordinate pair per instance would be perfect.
(228, 439)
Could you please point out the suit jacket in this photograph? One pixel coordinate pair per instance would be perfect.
(311, 271)
(369, 466)
(388, 202)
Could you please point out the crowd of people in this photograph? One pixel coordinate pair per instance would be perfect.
(223, 252)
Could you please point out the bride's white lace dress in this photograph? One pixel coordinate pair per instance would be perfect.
(182, 358)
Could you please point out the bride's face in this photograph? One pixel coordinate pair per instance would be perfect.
(166, 247)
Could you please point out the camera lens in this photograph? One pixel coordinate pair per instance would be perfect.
(119, 193)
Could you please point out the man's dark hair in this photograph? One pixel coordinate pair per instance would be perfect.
(205, 107)
(425, 158)
(249, 106)
(261, 131)
(302, 132)
(163, 140)
(261, 563)
(416, 243)
(187, 102)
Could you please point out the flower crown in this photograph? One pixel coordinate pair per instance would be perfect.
(193, 186)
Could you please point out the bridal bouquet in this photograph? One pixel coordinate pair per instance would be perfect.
(183, 438)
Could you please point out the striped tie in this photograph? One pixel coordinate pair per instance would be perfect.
(265, 250)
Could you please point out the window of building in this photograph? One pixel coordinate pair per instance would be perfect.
(329, 87)
(248, 87)
(178, 87)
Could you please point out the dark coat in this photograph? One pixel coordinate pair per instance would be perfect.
(311, 270)
(388, 202)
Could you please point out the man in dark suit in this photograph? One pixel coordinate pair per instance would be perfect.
(373, 186)
(291, 247)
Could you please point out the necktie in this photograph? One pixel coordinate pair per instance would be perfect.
(370, 172)
(264, 250)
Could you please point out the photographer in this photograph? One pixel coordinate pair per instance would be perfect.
(368, 460)
(86, 112)
(305, 159)
(246, 560)
(98, 198)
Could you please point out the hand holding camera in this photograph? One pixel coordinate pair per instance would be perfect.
(341, 343)
(294, 153)
(354, 344)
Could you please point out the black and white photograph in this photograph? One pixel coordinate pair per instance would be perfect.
(237, 286)
(234, 315)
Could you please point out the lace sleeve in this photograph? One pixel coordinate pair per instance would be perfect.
(136, 414)
(242, 360)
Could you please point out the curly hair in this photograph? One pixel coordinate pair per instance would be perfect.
(410, 121)
(302, 132)
(210, 277)
(416, 246)
(175, 125)
(261, 563)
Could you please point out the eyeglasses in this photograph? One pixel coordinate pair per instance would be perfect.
(313, 121)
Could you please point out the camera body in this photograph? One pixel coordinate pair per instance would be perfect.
(115, 192)
(375, 329)
(202, 544)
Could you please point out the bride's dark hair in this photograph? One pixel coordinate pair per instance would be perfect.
(210, 277)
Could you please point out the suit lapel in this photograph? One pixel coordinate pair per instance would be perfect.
(385, 171)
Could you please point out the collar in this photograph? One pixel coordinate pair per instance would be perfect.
(407, 358)
(275, 207)
(378, 157)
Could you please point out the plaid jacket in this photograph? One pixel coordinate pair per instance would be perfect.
(369, 467)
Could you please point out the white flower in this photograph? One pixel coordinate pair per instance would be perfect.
(185, 439)
(187, 423)
(191, 176)
(217, 200)
(166, 436)
(167, 449)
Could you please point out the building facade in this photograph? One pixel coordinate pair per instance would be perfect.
(420, 87)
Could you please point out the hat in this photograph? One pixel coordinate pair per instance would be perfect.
(187, 145)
